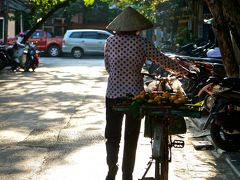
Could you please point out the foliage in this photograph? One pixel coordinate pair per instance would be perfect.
(146, 7)
(93, 10)
(182, 36)
(39, 8)
(152, 9)
(97, 12)
(164, 13)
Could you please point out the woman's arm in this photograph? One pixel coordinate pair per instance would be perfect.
(106, 57)
(164, 61)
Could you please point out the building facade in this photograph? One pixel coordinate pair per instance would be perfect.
(7, 25)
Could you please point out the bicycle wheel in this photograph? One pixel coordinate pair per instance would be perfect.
(161, 169)
(160, 150)
(165, 156)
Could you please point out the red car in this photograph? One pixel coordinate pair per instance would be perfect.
(45, 41)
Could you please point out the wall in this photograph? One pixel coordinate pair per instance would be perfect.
(11, 27)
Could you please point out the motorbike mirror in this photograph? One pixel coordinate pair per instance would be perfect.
(208, 21)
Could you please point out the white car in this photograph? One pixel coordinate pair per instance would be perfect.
(84, 41)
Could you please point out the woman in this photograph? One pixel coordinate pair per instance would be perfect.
(125, 54)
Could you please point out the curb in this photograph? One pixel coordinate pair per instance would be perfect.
(233, 159)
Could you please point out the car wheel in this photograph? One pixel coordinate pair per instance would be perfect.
(54, 51)
(77, 53)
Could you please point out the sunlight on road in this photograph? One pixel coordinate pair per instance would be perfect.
(52, 115)
(67, 87)
(82, 164)
(11, 135)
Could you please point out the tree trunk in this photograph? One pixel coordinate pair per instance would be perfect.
(222, 30)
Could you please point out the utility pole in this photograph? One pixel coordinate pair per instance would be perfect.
(5, 21)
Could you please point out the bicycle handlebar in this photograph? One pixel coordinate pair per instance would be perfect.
(155, 77)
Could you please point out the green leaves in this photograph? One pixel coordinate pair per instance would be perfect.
(135, 109)
(88, 2)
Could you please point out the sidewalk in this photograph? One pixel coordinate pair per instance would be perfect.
(231, 158)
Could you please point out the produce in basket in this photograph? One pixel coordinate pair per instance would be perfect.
(158, 101)
(161, 97)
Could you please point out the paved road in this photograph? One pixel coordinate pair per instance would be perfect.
(52, 126)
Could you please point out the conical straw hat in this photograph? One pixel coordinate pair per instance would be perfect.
(129, 20)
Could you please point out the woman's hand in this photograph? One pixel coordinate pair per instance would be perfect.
(192, 75)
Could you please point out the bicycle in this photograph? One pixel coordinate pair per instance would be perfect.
(161, 136)
(158, 121)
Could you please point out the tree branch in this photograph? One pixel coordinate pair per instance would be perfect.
(44, 18)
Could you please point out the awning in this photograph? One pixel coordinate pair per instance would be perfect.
(18, 5)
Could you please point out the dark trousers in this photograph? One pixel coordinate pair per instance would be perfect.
(113, 130)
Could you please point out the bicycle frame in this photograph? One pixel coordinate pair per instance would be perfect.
(162, 144)
(160, 150)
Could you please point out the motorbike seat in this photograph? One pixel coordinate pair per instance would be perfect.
(231, 83)
(214, 79)
(3, 47)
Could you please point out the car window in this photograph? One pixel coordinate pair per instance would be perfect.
(102, 36)
(90, 35)
(75, 35)
(49, 34)
(37, 34)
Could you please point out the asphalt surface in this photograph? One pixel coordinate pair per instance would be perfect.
(52, 128)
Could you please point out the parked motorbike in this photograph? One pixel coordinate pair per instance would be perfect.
(9, 55)
(18, 56)
(206, 92)
(201, 51)
(198, 49)
(224, 115)
(30, 58)
(204, 70)
(3, 57)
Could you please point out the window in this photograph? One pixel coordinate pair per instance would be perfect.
(37, 34)
(49, 35)
(102, 36)
(89, 35)
(75, 35)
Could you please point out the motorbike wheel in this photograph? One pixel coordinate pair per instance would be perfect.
(2, 64)
(14, 66)
(2, 61)
(26, 69)
(27, 66)
(34, 66)
(223, 140)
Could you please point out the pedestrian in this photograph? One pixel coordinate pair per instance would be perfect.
(20, 37)
(124, 55)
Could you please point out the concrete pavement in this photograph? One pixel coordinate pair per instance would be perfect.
(231, 158)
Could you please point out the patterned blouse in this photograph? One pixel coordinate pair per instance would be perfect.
(125, 56)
